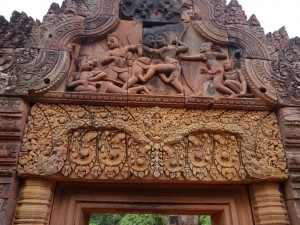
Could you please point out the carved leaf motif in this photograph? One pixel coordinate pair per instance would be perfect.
(226, 155)
(96, 170)
(138, 158)
(66, 170)
(200, 154)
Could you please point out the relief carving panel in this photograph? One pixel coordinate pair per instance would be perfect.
(114, 142)
(155, 45)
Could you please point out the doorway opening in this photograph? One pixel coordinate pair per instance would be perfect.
(148, 219)
(75, 203)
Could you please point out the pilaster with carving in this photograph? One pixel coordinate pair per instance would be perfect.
(268, 204)
(13, 114)
(289, 121)
(35, 202)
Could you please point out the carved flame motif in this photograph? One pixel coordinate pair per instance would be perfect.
(120, 143)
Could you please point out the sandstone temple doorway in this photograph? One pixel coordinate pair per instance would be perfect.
(73, 203)
(158, 106)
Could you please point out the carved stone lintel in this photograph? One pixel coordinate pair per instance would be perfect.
(35, 201)
(114, 142)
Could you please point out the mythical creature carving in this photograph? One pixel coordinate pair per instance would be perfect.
(100, 142)
(163, 11)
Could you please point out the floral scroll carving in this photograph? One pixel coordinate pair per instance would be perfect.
(119, 143)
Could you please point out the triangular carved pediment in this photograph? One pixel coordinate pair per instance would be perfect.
(199, 53)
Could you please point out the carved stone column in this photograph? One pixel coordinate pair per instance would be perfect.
(289, 122)
(13, 115)
(35, 202)
(268, 204)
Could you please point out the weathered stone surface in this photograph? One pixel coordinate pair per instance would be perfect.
(81, 29)
(157, 11)
(268, 204)
(200, 54)
(35, 202)
(289, 121)
(286, 73)
(13, 114)
(16, 33)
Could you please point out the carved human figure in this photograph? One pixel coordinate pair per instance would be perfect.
(87, 76)
(115, 59)
(141, 64)
(215, 71)
(233, 80)
(91, 79)
(166, 66)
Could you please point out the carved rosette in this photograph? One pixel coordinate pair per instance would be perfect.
(113, 142)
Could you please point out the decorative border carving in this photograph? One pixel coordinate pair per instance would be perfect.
(12, 121)
(212, 31)
(251, 45)
(258, 76)
(155, 100)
